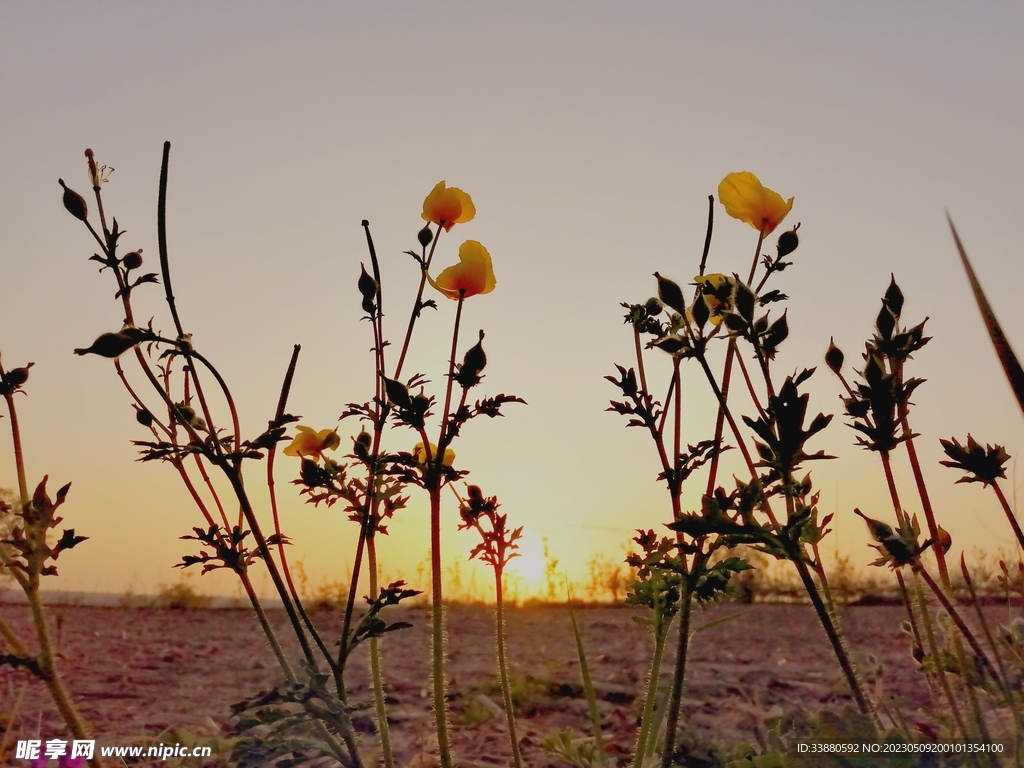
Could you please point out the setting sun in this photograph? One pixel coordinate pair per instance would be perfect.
(530, 563)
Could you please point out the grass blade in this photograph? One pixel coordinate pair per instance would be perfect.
(1011, 366)
(588, 682)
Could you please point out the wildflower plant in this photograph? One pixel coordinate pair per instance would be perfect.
(191, 432)
(970, 678)
(28, 552)
(673, 571)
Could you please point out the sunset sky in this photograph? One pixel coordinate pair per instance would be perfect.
(589, 135)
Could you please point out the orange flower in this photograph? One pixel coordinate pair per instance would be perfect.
(448, 206)
(309, 443)
(746, 199)
(420, 455)
(472, 275)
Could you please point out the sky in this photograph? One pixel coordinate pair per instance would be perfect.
(589, 135)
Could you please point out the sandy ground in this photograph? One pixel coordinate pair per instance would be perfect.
(138, 674)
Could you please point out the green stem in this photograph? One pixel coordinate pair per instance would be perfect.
(640, 754)
(375, 667)
(506, 690)
(682, 650)
(934, 653)
(440, 683)
(837, 643)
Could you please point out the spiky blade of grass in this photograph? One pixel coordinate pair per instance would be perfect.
(1011, 366)
(588, 682)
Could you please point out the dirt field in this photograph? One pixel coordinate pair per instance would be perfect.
(138, 673)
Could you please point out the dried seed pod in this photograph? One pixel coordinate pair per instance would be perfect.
(74, 202)
(834, 357)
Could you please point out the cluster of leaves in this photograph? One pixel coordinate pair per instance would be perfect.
(33, 555)
(879, 401)
(498, 543)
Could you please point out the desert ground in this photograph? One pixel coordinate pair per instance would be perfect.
(142, 675)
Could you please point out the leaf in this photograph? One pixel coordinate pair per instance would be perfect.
(716, 622)
(1011, 366)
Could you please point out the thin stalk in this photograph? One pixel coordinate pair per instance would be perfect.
(440, 683)
(642, 738)
(1007, 689)
(235, 477)
(1009, 514)
(268, 629)
(954, 614)
(376, 674)
(934, 652)
(838, 645)
(506, 690)
(676, 697)
(922, 491)
(720, 421)
(588, 681)
(416, 306)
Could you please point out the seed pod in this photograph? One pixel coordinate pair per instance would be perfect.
(368, 288)
(472, 364)
(670, 294)
(788, 242)
(834, 357)
(144, 417)
(74, 202)
(17, 376)
(653, 307)
(132, 260)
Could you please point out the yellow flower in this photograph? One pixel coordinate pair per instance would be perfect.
(717, 291)
(472, 275)
(420, 455)
(448, 206)
(309, 443)
(746, 199)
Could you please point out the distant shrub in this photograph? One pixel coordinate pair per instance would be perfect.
(180, 597)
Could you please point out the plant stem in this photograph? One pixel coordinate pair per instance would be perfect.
(838, 645)
(440, 683)
(379, 701)
(506, 690)
(1009, 514)
(934, 653)
(640, 753)
(675, 700)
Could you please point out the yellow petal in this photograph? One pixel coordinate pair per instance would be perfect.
(746, 199)
(448, 206)
(473, 274)
(420, 455)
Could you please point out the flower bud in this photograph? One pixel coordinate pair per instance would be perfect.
(132, 260)
(368, 288)
(653, 307)
(184, 414)
(473, 363)
(834, 357)
(425, 236)
(16, 377)
(788, 242)
(670, 294)
(74, 202)
(144, 417)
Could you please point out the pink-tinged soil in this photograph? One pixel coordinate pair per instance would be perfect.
(136, 674)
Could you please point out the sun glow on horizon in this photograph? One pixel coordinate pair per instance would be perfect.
(531, 562)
